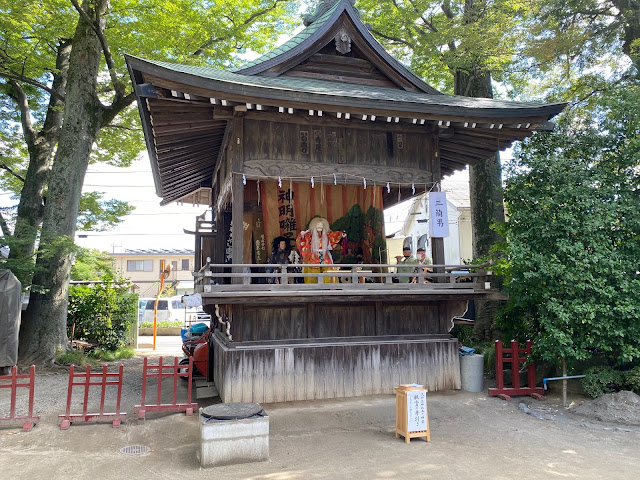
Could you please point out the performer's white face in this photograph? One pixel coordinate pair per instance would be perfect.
(319, 227)
(282, 245)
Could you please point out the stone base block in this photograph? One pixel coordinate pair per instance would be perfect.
(227, 442)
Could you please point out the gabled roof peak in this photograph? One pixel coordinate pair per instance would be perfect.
(323, 7)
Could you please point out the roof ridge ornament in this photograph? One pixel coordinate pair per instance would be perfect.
(322, 7)
(343, 41)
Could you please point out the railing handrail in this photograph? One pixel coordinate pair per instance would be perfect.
(347, 265)
(356, 274)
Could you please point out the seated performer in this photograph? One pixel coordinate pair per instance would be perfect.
(315, 246)
(422, 261)
(279, 256)
(406, 259)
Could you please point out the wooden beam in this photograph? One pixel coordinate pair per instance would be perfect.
(332, 121)
(263, 168)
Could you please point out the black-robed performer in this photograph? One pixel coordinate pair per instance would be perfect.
(279, 256)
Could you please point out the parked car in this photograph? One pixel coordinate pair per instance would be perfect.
(142, 305)
(170, 309)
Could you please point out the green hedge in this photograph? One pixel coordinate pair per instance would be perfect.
(103, 312)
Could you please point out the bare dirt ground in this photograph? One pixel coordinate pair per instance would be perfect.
(472, 436)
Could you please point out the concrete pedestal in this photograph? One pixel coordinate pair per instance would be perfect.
(227, 442)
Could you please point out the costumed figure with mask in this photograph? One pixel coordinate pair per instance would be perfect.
(315, 246)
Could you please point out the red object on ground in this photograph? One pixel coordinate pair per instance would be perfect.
(29, 420)
(198, 349)
(512, 356)
(174, 371)
(88, 379)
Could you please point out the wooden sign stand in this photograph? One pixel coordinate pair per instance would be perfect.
(412, 420)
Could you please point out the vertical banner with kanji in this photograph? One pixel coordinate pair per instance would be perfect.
(438, 218)
(417, 410)
(259, 242)
(286, 214)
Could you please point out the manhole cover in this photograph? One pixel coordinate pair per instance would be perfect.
(135, 450)
(231, 411)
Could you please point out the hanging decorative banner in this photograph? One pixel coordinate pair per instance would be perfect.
(313, 184)
(279, 181)
(335, 179)
(438, 217)
(286, 214)
(388, 188)
(244, 179)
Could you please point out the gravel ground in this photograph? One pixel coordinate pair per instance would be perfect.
(471, 435)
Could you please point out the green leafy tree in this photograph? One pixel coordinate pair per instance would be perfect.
(92, 265)
(459, 46)
(576, 49)
(573, 235)
(64, 88)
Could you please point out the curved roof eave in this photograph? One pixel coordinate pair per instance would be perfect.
(339, 95)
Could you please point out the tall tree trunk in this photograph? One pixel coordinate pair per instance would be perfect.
(43, 328)
(629, 17)
(487, 205)
(41, 146)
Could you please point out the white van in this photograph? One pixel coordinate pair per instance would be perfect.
(171, 309)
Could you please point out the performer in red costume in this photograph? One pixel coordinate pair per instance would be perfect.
(315, 246)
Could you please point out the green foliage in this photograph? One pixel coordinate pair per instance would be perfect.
(92, 265)
(97, 215)
(73, 357)
(632, 380)
(602, 379)
(111, 355)
(94, 357)
(162, 324)
(103, 312)
(573, 242)
(435, 39)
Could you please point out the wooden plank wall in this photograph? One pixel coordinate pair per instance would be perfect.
(274, 141)
(319, 320)
(267, 374)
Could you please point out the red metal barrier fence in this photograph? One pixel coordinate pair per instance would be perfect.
(87, 379)
(29, 420)
(174, 371)
(512, 356)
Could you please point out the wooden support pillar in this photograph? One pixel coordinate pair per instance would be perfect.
(437, 244)
(236, 151)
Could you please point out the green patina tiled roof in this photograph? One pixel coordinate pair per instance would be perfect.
(291, 86)
(292, 42)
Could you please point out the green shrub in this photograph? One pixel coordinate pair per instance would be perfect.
(102, 312)
(632, 380)
(163, 324)
(112, 355)
(75, 357)
(602, 379)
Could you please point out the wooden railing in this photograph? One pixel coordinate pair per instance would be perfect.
(214, 278)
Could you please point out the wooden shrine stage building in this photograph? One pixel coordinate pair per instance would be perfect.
(327, 124)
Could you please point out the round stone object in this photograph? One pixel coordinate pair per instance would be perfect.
(231, 411)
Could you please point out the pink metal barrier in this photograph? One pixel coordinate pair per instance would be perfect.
(87, 379)
(29, 420)
(174, 371)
